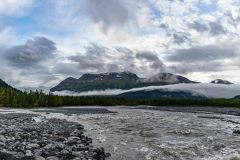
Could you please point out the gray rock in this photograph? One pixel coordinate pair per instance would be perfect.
(73, 140)
(76, 133)
(52, 158)
(33, 146)
(37, 152)
(39, 158)
(3, 139)
(236, 132)
(50, 146)
(77, 158)
(28, 153)
(3, 131)
(7, 155)
(78, 154)
(24, 139)
(19, 155)
(2, 144)
(64, 151)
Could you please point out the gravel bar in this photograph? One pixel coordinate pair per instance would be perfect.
(32, 137)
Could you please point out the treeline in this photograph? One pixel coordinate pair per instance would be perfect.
(12, 98)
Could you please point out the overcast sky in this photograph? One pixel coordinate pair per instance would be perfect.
(45, 41)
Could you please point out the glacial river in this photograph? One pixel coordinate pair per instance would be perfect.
(144, 134)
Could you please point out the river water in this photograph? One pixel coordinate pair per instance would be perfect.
(145, 134)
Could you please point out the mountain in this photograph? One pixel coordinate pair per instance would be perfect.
(220, 81)
(161, 93)
(89, 82)
(167, 78)
(237, 97)
(5, 85)
(183, 90)
(115, 80)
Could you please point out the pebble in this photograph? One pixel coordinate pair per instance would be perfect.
(24, 138)
(236, 132)
(52, 158)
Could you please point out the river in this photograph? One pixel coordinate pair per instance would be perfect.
(133, 133)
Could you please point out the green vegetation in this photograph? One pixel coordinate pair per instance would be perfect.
(12, 98)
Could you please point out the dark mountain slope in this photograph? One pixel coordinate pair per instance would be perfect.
(114, 80)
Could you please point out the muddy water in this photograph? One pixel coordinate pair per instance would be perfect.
(135, 134)
(143, 134)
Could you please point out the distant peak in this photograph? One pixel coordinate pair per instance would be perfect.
(108, 76)
(108, 73)
(167, 78)
(3, 84)
(128, 72)
(165, 73)
(221, 81)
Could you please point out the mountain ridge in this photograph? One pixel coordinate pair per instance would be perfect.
(221, 81)
(117, 80)
(4, 85)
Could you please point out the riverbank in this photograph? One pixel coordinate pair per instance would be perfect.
(33, 137)
(143, 132)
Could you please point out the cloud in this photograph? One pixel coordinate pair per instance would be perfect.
(142, 36)
(216, 28)
(97, 59)
(209, 90)
(180, 38)
(109, 13)
(152, 58)
(14, 7)
(211, 66)
(101, 59)
(204, 53)
(199, 26)
(30, 53)
(210, 58)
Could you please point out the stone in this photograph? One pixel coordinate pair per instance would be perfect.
(80, 127)
(39, 158)
(50, 146)
(33, 146)
(3, 139)
(72, 140)
(52, 158)
(38, 152)
(24, 139)
(3, 131)
(108, 155)
(2, 144)
(76, 133)
(64, 151)
(7, 155)
(236, 132)
(28, 153)
(19, 155)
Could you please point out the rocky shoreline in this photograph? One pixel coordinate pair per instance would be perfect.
(32, 137)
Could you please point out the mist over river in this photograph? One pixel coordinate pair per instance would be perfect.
(141, 133)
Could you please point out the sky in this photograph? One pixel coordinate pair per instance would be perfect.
(44, 42)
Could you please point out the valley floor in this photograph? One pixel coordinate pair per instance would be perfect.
(155, 133)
